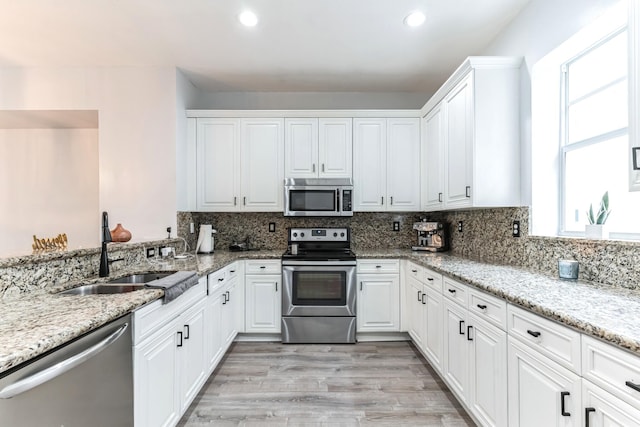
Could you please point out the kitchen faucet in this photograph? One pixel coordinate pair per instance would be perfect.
(104, 255)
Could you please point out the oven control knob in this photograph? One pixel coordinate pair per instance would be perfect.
(341, 234)
(295, 234)
(335, 234)
(301, 234)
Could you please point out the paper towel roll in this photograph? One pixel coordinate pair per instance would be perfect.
(205, 239)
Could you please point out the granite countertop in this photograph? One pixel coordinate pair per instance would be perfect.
(604, 311)
(39, 321)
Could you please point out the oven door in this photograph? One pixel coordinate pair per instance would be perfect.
(321, 289)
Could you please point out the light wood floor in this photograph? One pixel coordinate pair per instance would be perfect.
(271, 384)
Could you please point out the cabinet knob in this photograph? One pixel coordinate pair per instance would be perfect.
(636, 387)
(313, 168)
(535, 334)
(587, 412)
(467, 191)
(179, 342)
(482, 306)
(453, 291)
(461, 327)
(439, 197)
(186, 333)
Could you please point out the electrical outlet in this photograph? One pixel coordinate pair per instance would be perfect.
(192, 228)
(396, 226)
(272, 227)
(151, 252)
(516, 229)
(459, 226)
(160, 248)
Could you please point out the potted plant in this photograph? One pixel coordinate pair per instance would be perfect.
(596, 229)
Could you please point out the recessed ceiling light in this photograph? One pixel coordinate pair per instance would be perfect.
(248, 18)
(415, 19)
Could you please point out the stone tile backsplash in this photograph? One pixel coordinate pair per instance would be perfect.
(486, 236)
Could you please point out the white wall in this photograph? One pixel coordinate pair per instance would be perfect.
(137, 132)
(57, 172)
(186, 98)
(538, 29)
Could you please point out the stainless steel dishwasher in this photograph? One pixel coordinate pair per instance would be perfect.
(88, 382)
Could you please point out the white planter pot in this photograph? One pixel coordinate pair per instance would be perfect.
(596, 231)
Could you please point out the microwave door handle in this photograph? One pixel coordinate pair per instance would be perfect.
(338, 200)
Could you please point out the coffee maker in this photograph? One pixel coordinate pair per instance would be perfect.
(432, 236)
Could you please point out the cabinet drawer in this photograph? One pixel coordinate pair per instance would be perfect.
(432, 279)
(378, 266)
(557, 342)
(455, 291)
(233, 269)
(154, 316)
(215, 280)
(613, 369)
(415, 271)
(262, 266)
(489, 308)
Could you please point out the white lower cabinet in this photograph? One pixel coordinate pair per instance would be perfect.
(263, 301)
(416, 312)
(487, 373)
(541, 391)
(602, 409)
(456, 351)
(378, 300)
(169, 357)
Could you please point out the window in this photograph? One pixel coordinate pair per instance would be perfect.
(594, 137)
(582, 95)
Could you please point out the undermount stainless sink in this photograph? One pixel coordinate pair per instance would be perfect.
(133, 282)
(142, 278)
(102, 288)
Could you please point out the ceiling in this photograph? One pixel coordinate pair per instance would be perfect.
(297, 46)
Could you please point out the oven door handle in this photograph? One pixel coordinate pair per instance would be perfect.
(329, 263)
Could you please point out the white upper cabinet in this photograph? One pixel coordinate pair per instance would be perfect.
(318, 148)
(471, 137)
(433, 160)
(217, 167)
(387, 164)
(262, 165)
(239, 164)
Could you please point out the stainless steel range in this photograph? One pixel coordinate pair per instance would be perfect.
(319, 282)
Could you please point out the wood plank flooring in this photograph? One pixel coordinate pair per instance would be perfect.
(271, 384)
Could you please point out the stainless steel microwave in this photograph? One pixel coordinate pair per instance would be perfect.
(318, 197)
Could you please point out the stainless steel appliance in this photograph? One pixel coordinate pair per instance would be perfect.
(318, 197)
(319, 287)
(431, 236)
(88, 382)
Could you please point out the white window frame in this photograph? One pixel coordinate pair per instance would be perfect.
(546, 132)
(566, 147)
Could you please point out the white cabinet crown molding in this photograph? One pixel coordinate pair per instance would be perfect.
(471, 63)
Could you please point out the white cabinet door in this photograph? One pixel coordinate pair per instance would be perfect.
(433, 160)
(488, 372)
(370, 169)
(537, 387)
(213, 324)
(432, 332)
(156, 379)
(456, 351)
(416, 311)
(192, 353)
(335, 148)
(403, 164)
(378, 303)
(301, 148)
(262, 165)
(459, 137)
(263, 303)
(218, 164)
(605, 410)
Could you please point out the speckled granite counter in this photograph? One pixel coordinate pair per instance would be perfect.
(606, 312)
(39, 321)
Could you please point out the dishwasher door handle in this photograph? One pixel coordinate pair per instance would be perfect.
(60, 368)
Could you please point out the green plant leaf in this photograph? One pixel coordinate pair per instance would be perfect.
(590, 217)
